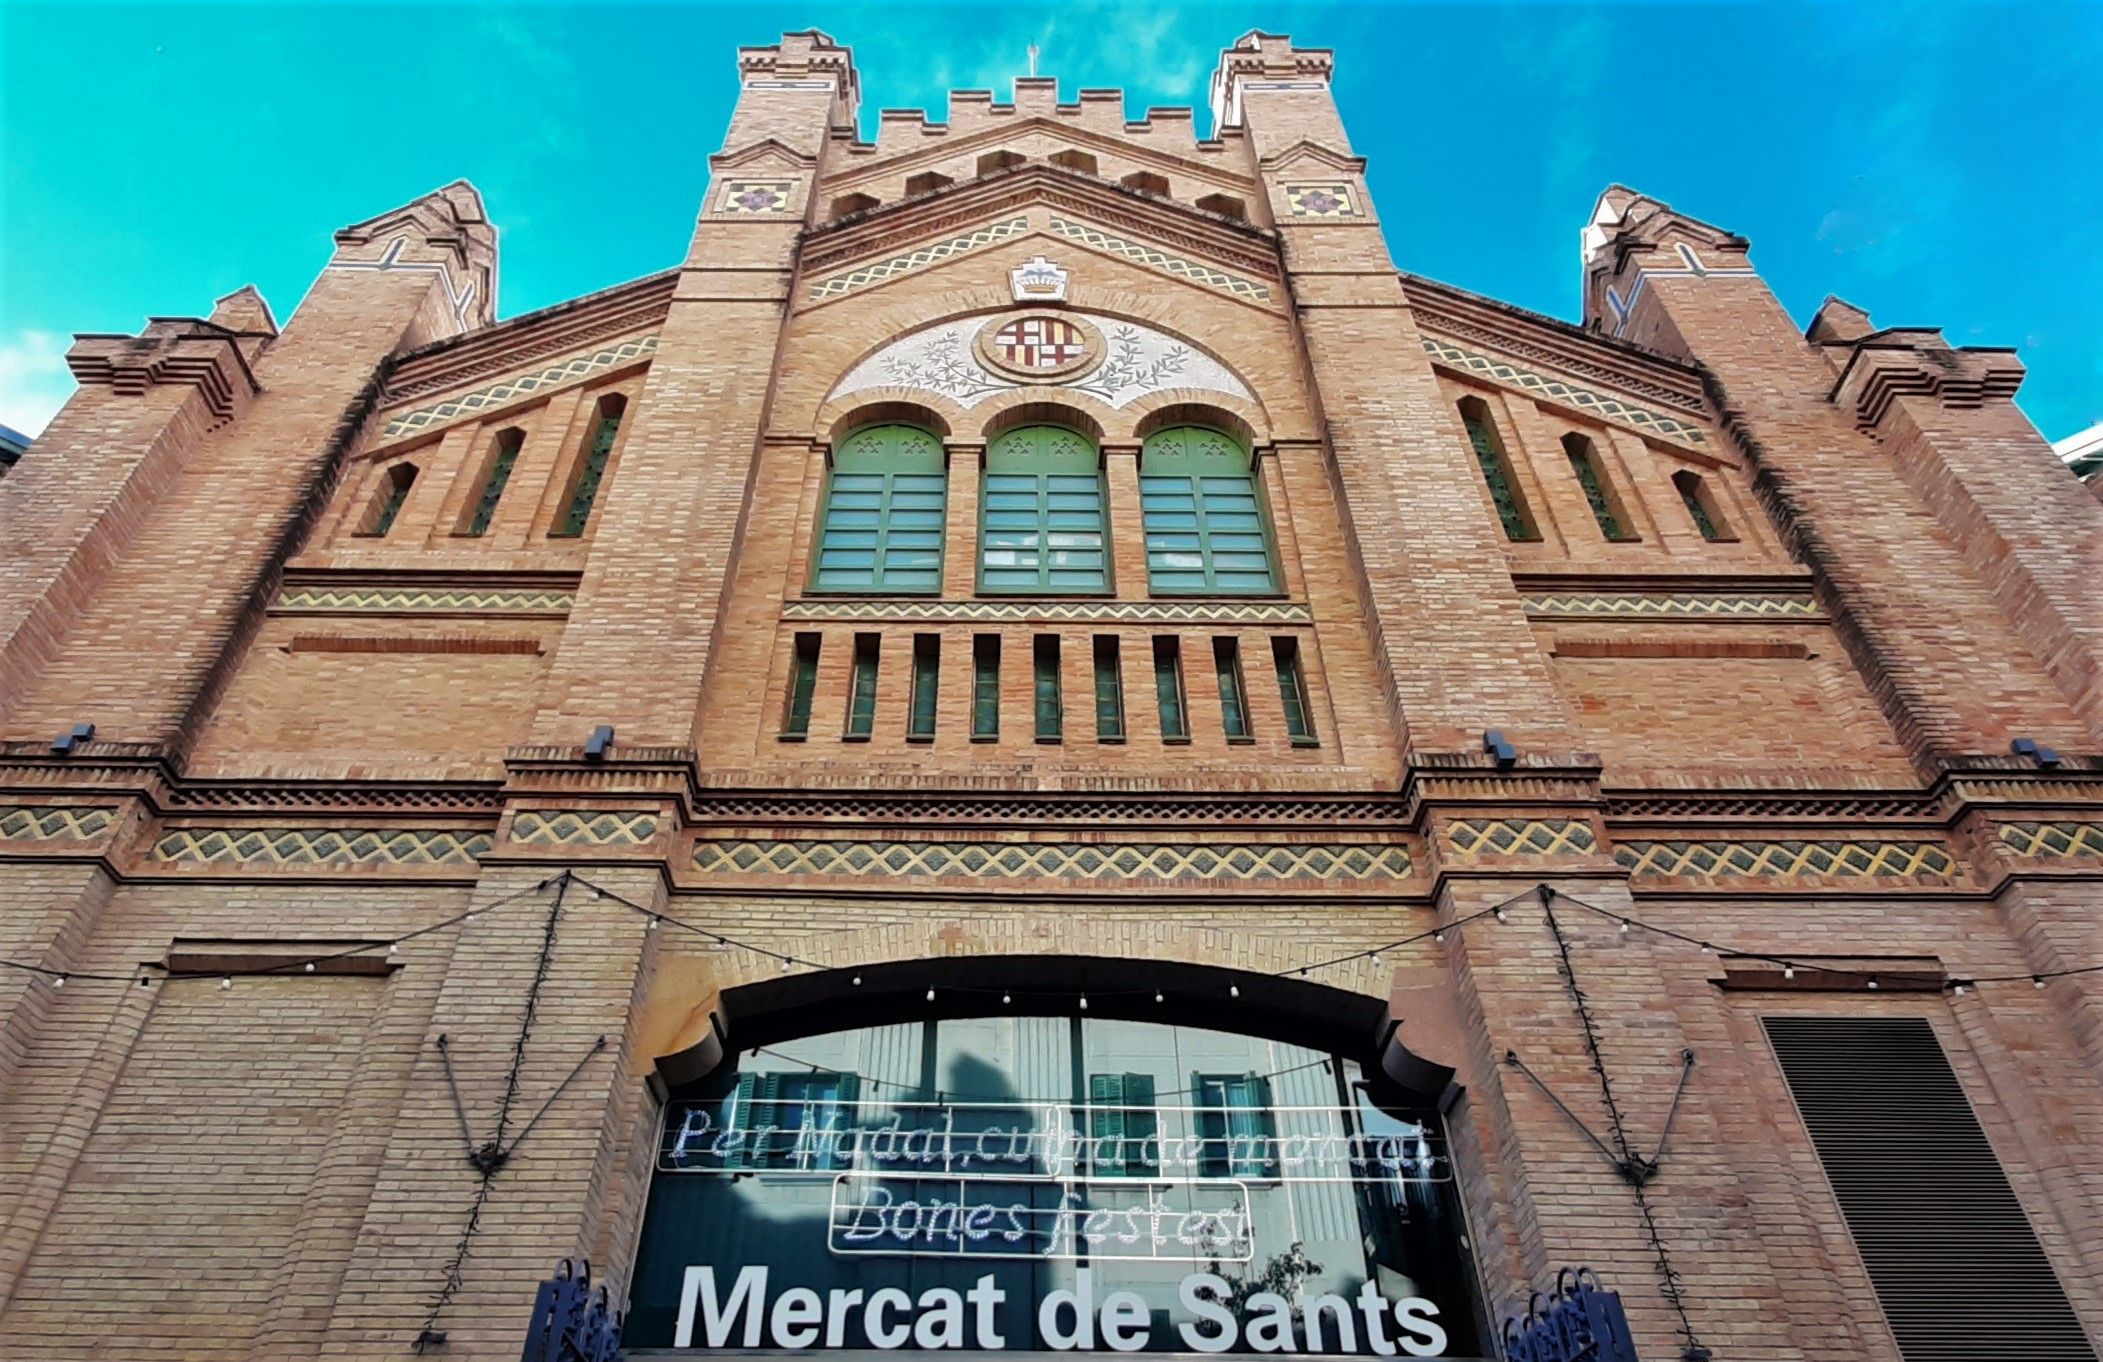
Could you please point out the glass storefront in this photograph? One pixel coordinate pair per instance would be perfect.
(1058, 1183)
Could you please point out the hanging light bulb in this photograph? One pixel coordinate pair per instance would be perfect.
(1500, 915)
(1624, 926)
(227, 982)
(930, 995)
(1233, 990)
(1084, 1002)
(2037, 981)
(1005, 998)
(310, 967)
(785, 963)
(1872, 981)
(469, 916)
(1438, 938)
(1157, 995)
(1788, 971)
(857, 981)
(394, 948)
(1706, 948)
(1958, 989)
(1374, 956)
(651, 925)
(58, 981)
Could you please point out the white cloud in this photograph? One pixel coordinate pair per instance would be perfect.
(34, 382)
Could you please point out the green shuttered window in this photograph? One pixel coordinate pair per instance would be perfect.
(927, 677)
(502, 459)
(883, 514)
(1168, 690)
(803, 684)
(1041, 515)
(1051, 708)
(1496, 471)
(861, 687)
(985, 687)
(591, 470)
(1109, 690)
(1591, 476)
(1205, 533)
(1122, 1124)
(1236, 1131)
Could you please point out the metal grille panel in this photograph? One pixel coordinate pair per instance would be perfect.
(1955, 1264)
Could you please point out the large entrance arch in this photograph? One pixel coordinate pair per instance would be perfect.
(1052, 1153)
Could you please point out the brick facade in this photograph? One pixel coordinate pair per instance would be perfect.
(1783, 605)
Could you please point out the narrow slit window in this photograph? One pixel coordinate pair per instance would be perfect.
(803, 684)
(1591, 475)
(1109, 690)
(1496, 466)
(388, 499)
(927, 677)
(985, 687)
(1701, 506)
(1168, 690)
(1292, 691)
(503, 456)
(1051, 710)
(1233, 696)
(591, 469)
(861, 687)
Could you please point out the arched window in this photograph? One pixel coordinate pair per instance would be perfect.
(1204, 524)
(1041, 514)
(503, 456)
(1600, 493)
(883, 513)
(1074, 160)
(1496, 469)
(1701, 507)
(387, 500)
(590, 469)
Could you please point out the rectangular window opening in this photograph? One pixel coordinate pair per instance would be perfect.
(927, 676)
(861, 688)
(1496, 468)
(1701, 506)
(803, 683)
(1109, 691)
(1233, 697)
(1292, 692)
(591, 468)
(985, 688)
(1168, 690)
(502, 459)
(1586, 464)
(1051, 717)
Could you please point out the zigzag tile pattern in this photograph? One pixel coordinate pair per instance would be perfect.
(321, 847)
(496, 394)
(582, 827)
(1161, 260)
(1055, 612)
(1785, 860)
(371, 600)
(1599, 404)
(933, 253)
(1060, 861)
(1521, 837)
(2054, 841)
(52, 822)
(1676, 607)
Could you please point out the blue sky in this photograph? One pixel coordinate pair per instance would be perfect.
(1938, 165)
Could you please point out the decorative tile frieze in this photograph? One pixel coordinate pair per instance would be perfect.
(1718, 605)
(53, 822)
(582, 827)
(1155, 862)
(1786, 860)
(1052, 612)
(1322, 200)
(2054, 841)
(1521, 837)
(1176, 265)
(934, 253)
(322, 847)
(755, 198)
(1597, 403)
(520, 385)
(419, 600)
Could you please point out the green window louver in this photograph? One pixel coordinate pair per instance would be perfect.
(393, 495)
(507, 447)
(861, 687)
(591, 471)
(927, 677)
(803, 684)
(1205, 530)
(1051, 708)
(1122, 1125)
(1292, 691)
(1237, 1134)
(1168, 690)
(1584, 463)
(1041, 515)
(1496, 472)
(1695, 496)
(1109, 691)
(1233, 699)
(884, 507)
(985, 687)
(796, 1120)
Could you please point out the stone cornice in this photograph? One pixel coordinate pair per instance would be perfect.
(944, 143)
(182, 351)
(1890, 365)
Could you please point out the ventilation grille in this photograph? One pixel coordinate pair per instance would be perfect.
(1955, 1264)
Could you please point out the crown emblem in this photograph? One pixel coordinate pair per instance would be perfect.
(1038, 280)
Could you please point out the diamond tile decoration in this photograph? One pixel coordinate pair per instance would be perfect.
(582, 827)
(1599, 404)
(53, 822)
(1161, 260)
(1688, 607)
(756, 198)
(372, 600)
(1126, 612)
(2054, 841)
(496, 394)
(1062, 861)
(933, 253)
(1521, 837)
(1321, 200)
(1845, 860)
(321, 847)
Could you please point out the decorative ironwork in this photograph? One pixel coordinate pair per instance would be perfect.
(1578, 1321)
(573, 1321)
